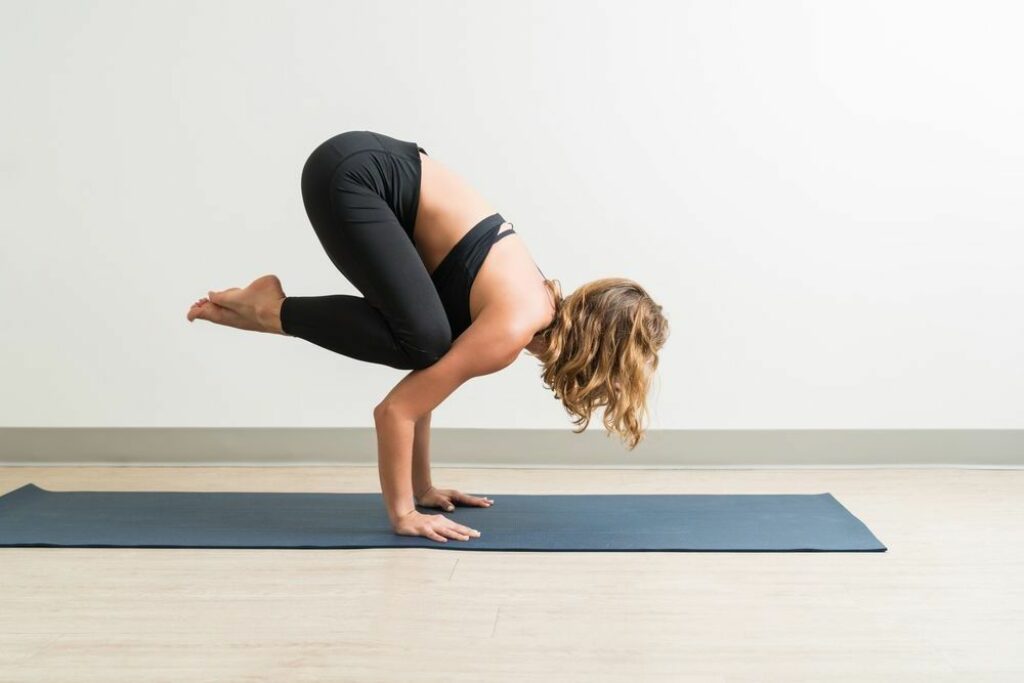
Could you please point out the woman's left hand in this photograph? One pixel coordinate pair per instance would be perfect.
(447, 499)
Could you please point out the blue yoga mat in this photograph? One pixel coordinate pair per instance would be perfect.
(34, 517)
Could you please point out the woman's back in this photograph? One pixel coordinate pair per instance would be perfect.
(449, 207)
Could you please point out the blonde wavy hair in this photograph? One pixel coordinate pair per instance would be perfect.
(602, 350)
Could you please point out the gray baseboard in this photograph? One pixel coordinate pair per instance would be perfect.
(515, 447)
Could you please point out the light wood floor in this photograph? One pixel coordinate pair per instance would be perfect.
(945, 603)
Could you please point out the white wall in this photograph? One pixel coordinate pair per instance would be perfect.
(826, 198)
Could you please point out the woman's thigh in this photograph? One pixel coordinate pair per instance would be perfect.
(366, 242)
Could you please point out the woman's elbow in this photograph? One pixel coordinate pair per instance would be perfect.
(389, 412)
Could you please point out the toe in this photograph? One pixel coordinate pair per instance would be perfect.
(228, 298)
(210, 312)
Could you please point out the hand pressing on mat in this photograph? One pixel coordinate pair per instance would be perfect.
(447, 499)
(434, 527)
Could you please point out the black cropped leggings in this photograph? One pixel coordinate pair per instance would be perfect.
(361, 192)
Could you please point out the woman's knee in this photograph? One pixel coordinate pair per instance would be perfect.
(429, 349)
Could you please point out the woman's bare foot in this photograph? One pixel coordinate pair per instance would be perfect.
(256, 307)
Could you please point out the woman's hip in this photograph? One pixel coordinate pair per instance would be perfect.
(340, 168)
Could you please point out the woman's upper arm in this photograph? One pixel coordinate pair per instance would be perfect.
(488, 345)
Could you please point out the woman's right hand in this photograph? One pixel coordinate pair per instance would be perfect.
(434, 527)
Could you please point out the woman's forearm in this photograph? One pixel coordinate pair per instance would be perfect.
(395, 436)
(421, 481)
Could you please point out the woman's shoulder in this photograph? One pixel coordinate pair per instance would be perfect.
(512, 324)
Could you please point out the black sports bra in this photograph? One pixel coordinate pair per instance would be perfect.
(453, 278)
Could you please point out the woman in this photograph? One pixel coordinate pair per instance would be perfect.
(450, 303)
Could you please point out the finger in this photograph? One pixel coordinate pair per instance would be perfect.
(461, 528)
(451, 532)
(468, 499)
(476, 501)
(434, 536)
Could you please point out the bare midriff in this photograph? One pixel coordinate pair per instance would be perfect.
(449, 208)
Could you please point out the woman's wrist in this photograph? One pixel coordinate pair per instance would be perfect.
(420, 490)
(396, 515)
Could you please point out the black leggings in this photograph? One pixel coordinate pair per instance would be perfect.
(361, 191)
